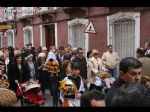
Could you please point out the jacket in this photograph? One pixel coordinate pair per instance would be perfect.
(95, 67)
(113, 91)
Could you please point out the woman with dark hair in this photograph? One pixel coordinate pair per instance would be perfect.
(19, 72)
(66, 69)
(76, 78)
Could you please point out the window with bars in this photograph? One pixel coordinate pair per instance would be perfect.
(10, 39)
(78, 36)
(123, 40)
(27, 37)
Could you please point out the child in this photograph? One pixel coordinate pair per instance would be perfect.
(78, 82)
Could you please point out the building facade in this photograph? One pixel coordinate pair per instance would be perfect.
(126, 28)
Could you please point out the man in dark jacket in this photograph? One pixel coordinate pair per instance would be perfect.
(60, 57)
(130, 72)
(79, 58)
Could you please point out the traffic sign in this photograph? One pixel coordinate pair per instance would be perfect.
(90, 28)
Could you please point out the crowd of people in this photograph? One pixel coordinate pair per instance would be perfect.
(94, 78)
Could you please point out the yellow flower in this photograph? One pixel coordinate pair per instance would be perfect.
(62, 84)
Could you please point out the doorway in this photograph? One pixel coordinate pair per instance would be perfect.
(50, 35)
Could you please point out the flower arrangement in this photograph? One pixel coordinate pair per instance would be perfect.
(66, 86)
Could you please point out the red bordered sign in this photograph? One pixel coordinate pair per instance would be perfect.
(90, 28)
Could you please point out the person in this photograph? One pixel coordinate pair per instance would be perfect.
(31, 50)
(147, 48)
(96, 65)
(66, 69)
(44, 50)
(39, 50)
(93, 98)
(19, 73)
(42, 74)
(144, 60)
(8, 98)
(130, 70)
(68, 50)
(89, 55)
(79, 58)
(53, 70)
(51, 54)
(61, 56)
(74, 53)
(76, 78)
(4, 81)
(77, 81)
(145, 80)
(7, 59)
(11, 54)
(110, 59)
(22, 72)
(32, 66)
(132, 96)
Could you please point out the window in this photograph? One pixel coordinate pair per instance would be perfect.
(77, 37)
(27, 37)
(10, 39)
(123, 37)
(123, 32)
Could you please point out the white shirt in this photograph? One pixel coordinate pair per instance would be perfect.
(147, 52)
(51, 55)
(6, 63)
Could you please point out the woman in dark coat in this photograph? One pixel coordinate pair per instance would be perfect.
(19, 72)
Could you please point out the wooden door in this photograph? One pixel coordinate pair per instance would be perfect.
(50, 35)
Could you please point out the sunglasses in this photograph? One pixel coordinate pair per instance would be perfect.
(96, 54)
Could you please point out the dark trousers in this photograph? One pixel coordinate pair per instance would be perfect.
(54, 88)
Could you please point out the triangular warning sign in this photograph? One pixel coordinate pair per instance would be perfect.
(90, 28)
